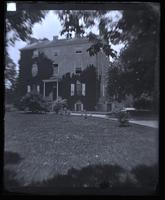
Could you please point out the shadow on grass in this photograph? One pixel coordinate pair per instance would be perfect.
(95, 179)
(11, 158)
(30, 112)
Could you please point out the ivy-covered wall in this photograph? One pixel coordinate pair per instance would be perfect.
(89, 77)
(25, 71)
(92, 88)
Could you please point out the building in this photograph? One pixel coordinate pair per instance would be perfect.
(69, 58)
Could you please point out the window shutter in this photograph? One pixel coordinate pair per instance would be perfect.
(28, 88)
(72, 89)
(83, 89)
(103, 90)
(38, 88)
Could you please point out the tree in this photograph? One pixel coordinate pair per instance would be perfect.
(116, 90)
(138, 29)
(18, 27)
(78, 21)
(10, 72)
(20, 23)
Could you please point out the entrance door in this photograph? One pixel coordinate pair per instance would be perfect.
(109, 107)
(54, 92)
(78, 107)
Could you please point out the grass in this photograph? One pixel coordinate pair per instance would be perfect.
(50, 144)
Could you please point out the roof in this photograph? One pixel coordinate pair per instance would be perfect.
(61, 42)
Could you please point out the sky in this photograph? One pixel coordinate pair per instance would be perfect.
(50, 27)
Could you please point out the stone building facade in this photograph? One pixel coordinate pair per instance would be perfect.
(67, 56)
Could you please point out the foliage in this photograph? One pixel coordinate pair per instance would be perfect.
(87, 76)
(18, 27)
(10, 72)
(20, 23)
(147, 176)
(59, 104)
(113, 178)
(116, 87)
(99, 45)
(140, 56)
(143, 102)
(78, 21)
(33, 102)
(25, 76)
(138, 29)
(123, 118)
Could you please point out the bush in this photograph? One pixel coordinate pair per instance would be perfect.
(147, 176)
(144, 102)
(59, 104)
(123, 118)
(33, 102)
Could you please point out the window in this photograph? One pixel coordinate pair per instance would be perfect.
(55, 69)
(83, 89)
(78, 70)
(72, 89)
(78, 88)
(103, 90)
(35, 54)
(28, 88)
(78, 51)
(38, 88)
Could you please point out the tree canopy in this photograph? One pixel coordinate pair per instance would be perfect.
(10, 72)
(19, 27)
(20, 23)
(78, 21)
(140, 55)
(138, 29)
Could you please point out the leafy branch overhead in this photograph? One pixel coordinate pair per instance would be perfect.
(138, 30)
(20, 23)
(79, 21)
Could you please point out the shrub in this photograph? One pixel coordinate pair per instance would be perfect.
(143, 102)
(33, 102)
(123, 118)
(147, 175)
(59, 104)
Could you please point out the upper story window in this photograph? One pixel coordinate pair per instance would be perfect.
(55, 69)
(78, 88)
(78, 70)
(35, 54)
(55, 53)
(78, 51)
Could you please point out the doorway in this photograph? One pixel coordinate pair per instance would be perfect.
(78, 106)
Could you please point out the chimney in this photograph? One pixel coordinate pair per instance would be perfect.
(55, 38)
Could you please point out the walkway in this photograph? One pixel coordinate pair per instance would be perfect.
(148, 123)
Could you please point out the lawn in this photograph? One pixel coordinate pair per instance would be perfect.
(48, 144)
